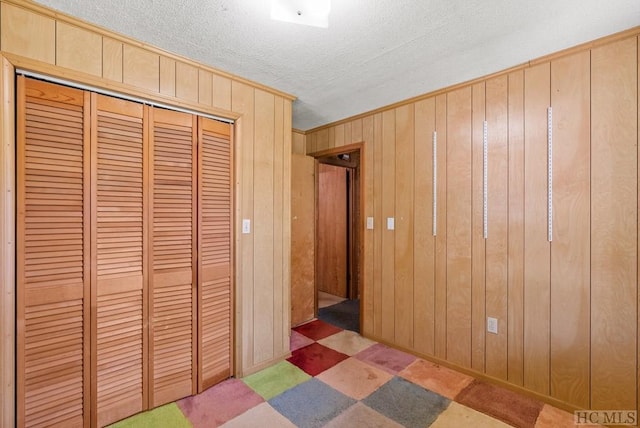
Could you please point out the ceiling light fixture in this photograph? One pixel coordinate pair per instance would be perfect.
(306, 12)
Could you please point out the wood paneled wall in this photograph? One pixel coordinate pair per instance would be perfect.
(567, 309)
(38, 39)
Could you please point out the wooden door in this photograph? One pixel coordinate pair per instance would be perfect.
(331, 265)
(53, 255)
(215, 249)
(118, 264)
(172, 256)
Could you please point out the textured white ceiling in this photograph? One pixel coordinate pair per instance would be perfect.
(374, 53)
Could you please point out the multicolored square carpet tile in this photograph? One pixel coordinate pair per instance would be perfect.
(337, 378)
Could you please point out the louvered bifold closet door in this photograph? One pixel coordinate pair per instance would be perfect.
(52, 255)
(118, 270)
(215, 252)
(172, 342)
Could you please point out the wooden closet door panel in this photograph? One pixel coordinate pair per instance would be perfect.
(459, 227)
(215, 268)
(172, 252)
(497, 223)
(118, 263)
(52, 255)
(537, 258)
(614, 211)
(570, 249)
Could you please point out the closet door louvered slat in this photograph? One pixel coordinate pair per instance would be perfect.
(118, 264)
(172, 250)
(215, 252)
(52, 255)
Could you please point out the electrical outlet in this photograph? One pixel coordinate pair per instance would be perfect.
(246, 226)
(492, 325)
(370, 223)
(391, 223)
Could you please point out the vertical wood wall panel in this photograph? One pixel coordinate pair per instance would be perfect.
(357, 131)
(515, 315)
(264, 287)
(186, 81)
(377, 229)
(423, 241)
(221, 92)
(78, 49)
(368, 236)
(497, 222)
(244, 103)
(348, 133)
(404, 234)
(322, 142)
(331, 137)
(537, 256)
(27, 33)
(298, 144)
(140, 68)
(205, 87)
(112, 59)
(278, 230)
(478, 245)
(388, 211)
(570, 249)
(285, 289)
(336, 138)
(614, 223)
(167, 76)
(459, 226)
(441, 235)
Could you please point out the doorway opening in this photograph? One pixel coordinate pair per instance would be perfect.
(339, 237)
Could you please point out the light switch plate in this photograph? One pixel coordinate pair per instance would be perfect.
(370, 223)
(492, 325)
(246, 226)
(391, 223)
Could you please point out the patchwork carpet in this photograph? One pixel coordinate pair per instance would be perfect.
(337, 378)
